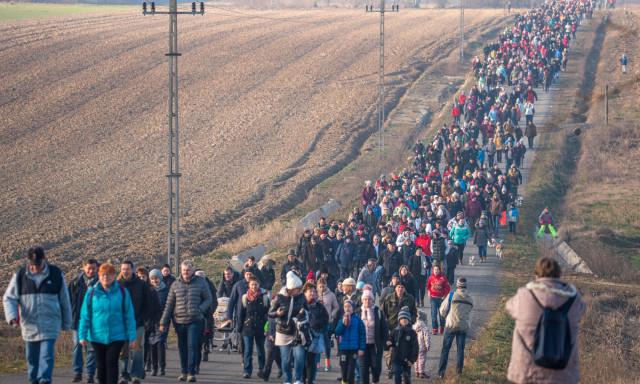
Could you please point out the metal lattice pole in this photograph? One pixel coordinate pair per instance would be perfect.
(173, 253)
(394, 8)
(461, 31)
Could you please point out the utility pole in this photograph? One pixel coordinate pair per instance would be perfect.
(606, 104)
(173, 254)
(381, 10)
(462, 32)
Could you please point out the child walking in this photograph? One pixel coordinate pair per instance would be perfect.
(424, 343)
(404, 347)
(513, 216)
(353, 341)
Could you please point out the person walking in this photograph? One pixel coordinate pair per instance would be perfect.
(391, 307)
(623, 63)
(353, 338)
(424, 344)
(458, 313)
(438, 288)
(37, 301)
(548, 290)
(460, 233)
(108, 322)
(189, 297)
(512, 217)
(330, 302)
(318, 322)
(404, 347)
(285, 306)
(157, 339)
(251, 320)
(131, 359)
(78, 287)
(377, 336)
(546, 220)
(531, 132)
(480, 239)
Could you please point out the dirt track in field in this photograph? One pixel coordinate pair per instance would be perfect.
(271, 103)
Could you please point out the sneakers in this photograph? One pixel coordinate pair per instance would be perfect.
(442, 329)
(77, 378)
(191, 378)
(154, 372)
(327, 363)
(182, 377)
(246, 376)
(435, 331)
(135, 381)
(90, 379)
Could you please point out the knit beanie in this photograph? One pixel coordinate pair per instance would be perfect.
(404, 314)
(368, 293)
(293, 281)
(360, 285)
(155, 273)
(350, 302)
(462, 283)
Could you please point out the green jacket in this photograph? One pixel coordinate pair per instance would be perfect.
(460, 234)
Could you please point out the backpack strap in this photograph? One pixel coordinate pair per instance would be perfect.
(124, 318)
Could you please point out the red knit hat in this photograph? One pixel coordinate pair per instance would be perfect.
(311, 276)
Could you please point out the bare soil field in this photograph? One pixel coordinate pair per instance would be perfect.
(271, 103)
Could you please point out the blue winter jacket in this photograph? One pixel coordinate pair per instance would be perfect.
(105, 321)
(353, 337)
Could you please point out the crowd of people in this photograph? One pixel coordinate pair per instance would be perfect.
(354, 287)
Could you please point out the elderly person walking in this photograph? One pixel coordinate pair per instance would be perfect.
(189, 297)
(377, 335)
(526, 307)
(107, 321)
(458, 312)
(37, 300)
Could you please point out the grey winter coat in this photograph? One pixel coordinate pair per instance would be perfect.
(43, 302)
(187, 301)
(481, 236)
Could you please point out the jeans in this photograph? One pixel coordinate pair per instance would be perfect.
(371, 360)
(482, 251)
(495, 220)
(490, 159)
(508, 165)
(77, 356)
(327, 344)
(344, 271)
(188, 345)
(461, 338)
(399, 370)
(40, 355)
(137, 364)
(435, 313)
(298, 354)
(248, 352)
(512, 227)
(107, 361)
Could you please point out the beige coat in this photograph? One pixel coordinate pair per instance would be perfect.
(459, 317)
(551, 292)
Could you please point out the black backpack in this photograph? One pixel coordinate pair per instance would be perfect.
(552, 344)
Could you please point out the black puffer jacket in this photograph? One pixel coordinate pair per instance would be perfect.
(285, 323)
(439, 247)
(253, 316)
(140, 293)
(187, 301)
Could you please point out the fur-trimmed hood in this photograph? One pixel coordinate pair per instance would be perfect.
(567, 290)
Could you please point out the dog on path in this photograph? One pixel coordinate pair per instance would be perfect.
(472, 261)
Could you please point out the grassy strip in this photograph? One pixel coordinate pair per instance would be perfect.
(19, 11)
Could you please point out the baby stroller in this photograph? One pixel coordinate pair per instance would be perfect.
(224, 327)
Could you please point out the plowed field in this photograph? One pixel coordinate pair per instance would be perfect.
(271, 103)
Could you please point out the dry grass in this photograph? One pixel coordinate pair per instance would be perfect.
(601, 220)
(12, 350)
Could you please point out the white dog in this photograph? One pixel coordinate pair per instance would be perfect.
(499, 247)
(472, 261)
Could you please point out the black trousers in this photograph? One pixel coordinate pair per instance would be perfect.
(273, 354)
(158, 355)
(309, 368)
(107, 356)
(348, 361)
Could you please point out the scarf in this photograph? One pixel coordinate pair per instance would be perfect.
(252, 296)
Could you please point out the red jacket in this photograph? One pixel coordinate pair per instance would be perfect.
(425, 243)
(438, 286)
